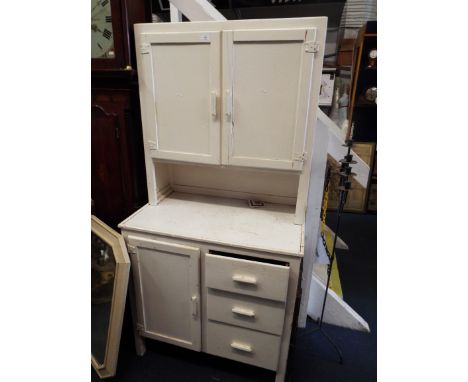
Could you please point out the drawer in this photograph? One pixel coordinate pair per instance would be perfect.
(243, 345)
(248, 277)
(248, 312)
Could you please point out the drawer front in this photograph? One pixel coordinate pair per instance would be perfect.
(247, 277)
(248, 312)
(243, 345)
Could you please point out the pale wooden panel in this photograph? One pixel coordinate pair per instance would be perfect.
(243, 183)
(185, 73)
(249, 312)
(270, 79)
(166, 301)
(247, 277)
(264, 348)
(221, 221)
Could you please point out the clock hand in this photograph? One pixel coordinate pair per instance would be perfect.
(95, 28)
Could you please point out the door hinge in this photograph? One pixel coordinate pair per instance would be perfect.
(140, 328)
(300, 157)
(152, 145)
(131, 249)
(312, 47)
(144, 48)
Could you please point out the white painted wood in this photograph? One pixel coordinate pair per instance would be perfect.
(247, 277)
(337, 311)
(184, 72)
(176, 15)
(108, 366)
(168, 305)
(198, 10)
(336, 139)
(243, 345)
(268, 73)
(236, 182)
(221, 221)
(245, 311)
(314, 203)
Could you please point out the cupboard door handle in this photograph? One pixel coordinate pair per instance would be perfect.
(243, 312)
(228, 101)
(194, 306)
(244, 279)
(241, 347)
(214, 104)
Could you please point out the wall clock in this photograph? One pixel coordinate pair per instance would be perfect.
(109, 42)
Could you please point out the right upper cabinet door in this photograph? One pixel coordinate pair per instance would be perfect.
(267, 78)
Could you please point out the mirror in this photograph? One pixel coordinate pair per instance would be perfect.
(110, 267)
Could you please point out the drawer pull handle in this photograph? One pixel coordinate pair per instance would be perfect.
(245, 279)
(241, 347)
(194, 306)
(214, 104)
(243, 312)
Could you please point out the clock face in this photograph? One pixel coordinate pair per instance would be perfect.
(102, 38)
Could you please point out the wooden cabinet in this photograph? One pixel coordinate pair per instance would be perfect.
(190, 116)
(167, 281)
(115, 190)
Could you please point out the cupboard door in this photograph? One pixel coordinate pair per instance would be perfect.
(167, 283)
(267, 81)
(180, 84)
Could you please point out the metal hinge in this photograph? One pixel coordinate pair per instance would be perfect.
(140, 328)
(152, 145)
(300, 157)
(311, 47)
(131, 249)
(145, 48)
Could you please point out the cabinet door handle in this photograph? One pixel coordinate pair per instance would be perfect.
(214, 104)
(194, 306)
(241, 347)
(245, 279)
(243, 312)
(228, 103)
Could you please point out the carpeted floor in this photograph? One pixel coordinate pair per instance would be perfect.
(313, 359)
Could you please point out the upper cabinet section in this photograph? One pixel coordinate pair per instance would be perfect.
(235, 93)
(268, 73)
(181, 83)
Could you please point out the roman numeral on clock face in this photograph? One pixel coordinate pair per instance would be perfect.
(107, 34)
(108, 19)
(103, 4)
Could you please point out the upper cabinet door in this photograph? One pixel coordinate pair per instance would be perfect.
(180, 84)
(267, 80)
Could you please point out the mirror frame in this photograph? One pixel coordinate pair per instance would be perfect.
(119, 294)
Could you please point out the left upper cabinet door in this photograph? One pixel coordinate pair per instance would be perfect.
(167, 285)
(180, 80)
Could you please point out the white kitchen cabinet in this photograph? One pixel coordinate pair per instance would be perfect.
(181, 80)
(257, 117)
(167, 281)
(223, 104)
(267, 76)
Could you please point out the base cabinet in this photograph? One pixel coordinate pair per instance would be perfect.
(229, 305)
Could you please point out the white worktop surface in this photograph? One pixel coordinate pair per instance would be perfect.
(221, 221)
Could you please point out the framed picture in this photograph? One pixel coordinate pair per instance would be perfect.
(110, 266)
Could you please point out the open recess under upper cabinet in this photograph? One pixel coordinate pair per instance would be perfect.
(228, 94)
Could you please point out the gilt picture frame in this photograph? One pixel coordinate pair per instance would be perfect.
(110, 267)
